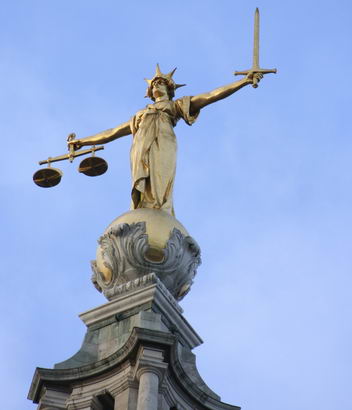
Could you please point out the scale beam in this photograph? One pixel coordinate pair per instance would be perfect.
(91, 166)
(71, 155)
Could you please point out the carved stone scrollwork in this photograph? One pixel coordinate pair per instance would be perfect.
(124, 254)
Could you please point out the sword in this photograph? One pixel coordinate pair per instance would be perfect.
(255, 67)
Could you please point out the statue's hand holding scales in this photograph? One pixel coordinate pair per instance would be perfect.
(153, 151)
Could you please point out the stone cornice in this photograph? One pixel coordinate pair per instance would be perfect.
(168, 342)
(139, 292)
(191, 388)
(127, 352)
(130, 294)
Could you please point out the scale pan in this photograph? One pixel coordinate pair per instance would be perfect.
(93, 166)
(47, 177)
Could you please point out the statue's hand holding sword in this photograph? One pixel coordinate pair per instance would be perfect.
(255, 74)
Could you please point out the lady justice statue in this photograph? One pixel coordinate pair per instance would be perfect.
(148, 238)
(137, 349)
(154, 147)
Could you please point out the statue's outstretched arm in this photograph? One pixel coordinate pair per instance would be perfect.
(202, 100)
(104, 136)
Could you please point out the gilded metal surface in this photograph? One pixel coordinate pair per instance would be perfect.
(159, 225)
(256, 73)
(73, 154)
(71, 148)
(47, 177)
(158, 228)
(93, 166)
(154, 147)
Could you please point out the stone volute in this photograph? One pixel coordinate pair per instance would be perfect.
(144, 241)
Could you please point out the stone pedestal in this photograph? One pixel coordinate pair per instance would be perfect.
(143, 241)
(136, 355)
(137, 352)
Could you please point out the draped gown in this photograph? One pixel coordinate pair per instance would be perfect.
(153, 152)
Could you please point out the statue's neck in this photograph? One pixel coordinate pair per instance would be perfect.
(162, 98)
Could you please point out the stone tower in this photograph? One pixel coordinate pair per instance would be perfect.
(137, 351)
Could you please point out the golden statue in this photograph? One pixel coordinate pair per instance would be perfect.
(154, 147)
(149, 237)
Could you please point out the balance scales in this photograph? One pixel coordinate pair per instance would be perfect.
(92, 166)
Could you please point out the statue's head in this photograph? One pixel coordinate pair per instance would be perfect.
(161, 83)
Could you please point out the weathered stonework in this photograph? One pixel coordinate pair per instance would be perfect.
(136, 355)
(137, 351)
(125, 254)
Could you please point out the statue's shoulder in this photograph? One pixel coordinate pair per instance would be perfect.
(182, 106)
(140, 112)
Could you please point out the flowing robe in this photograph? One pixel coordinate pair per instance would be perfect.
(153, 152)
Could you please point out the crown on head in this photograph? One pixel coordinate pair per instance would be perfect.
(172, 86)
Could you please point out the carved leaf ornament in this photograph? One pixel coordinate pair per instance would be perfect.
(127, 255)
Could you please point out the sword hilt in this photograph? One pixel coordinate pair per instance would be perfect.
(254, 71)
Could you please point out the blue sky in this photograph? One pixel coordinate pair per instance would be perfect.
(263, 184)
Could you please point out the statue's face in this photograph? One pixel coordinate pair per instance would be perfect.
(159, 88)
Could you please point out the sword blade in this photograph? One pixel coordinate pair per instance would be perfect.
(256, 40)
